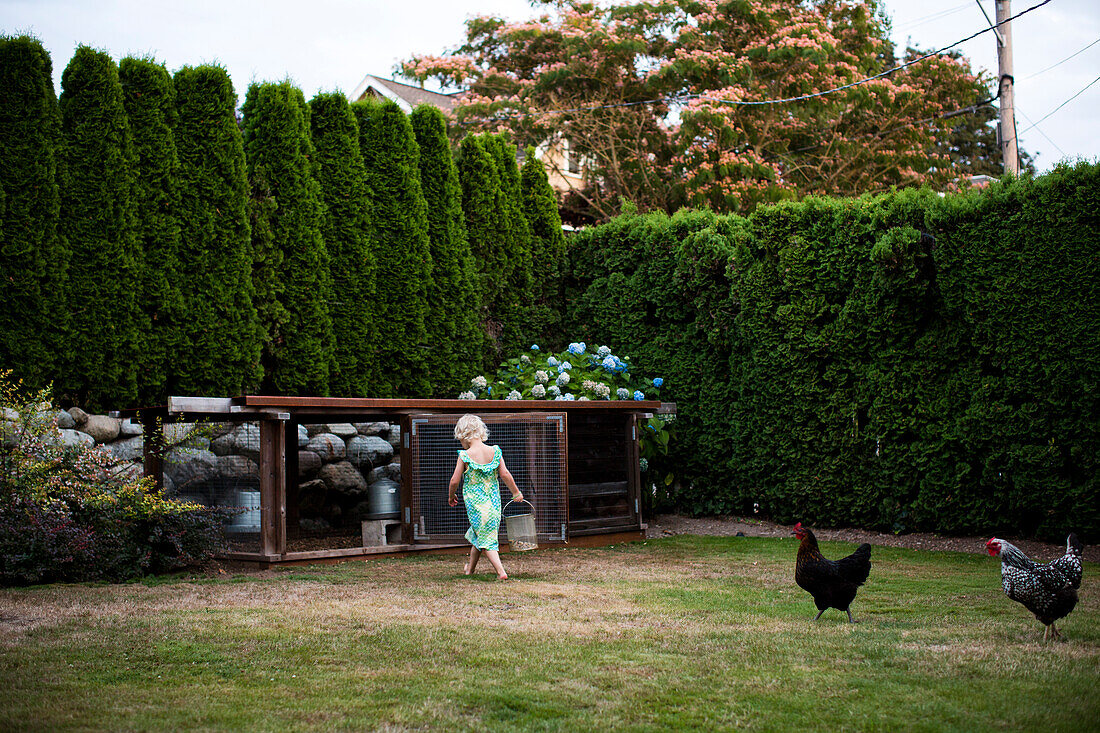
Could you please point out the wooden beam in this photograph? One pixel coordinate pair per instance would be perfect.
(272, 488)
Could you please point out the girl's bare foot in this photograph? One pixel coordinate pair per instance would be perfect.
(502, 576)
(466, 569)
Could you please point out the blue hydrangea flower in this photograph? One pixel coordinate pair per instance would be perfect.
(610, 363)
(538, 391)
(643, 464)
(568, 396)
(658, 382)
(553, 390)
(553, 361)
(603, 352)
(467, 396)
(534, 347)
(542, 377)
(638, 395)
(513, 395)
(622, 393)
(577, 347)
(563, 379)
(479, 382)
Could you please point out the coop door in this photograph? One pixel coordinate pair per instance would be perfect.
(534, 449)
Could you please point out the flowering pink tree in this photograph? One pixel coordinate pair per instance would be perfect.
(670, 101)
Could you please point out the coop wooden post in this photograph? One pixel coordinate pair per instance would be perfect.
(272, 487)
(152, 432)
(633, 469)
(406, 480)
(292, 478)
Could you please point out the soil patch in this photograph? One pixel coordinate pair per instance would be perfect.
(665, 525)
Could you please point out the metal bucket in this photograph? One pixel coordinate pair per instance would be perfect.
(384, 499)
(522, 535)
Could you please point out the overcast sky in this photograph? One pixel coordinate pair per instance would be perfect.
(324, 45)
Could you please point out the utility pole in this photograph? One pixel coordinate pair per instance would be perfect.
(1007, 128)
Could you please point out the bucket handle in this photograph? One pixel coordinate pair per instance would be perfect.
(513, 501)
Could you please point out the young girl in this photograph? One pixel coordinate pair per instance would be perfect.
(477, 471)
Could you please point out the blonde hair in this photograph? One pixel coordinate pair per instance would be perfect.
(470, 427)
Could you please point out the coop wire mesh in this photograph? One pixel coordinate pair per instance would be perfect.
(534, 450)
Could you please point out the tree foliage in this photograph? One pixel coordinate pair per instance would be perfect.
(280, 164)
(33, 255)
(670, 102)
(392, 159)
(221, 331)
(97, 197)
(351, 244)
(454, 303)
(149, 99)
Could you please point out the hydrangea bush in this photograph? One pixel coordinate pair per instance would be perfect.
(580, 373)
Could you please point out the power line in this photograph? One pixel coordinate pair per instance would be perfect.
(1067, 58)
(1040, 131)
(1063, 104)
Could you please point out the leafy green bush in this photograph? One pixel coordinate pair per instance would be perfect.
(69, 513)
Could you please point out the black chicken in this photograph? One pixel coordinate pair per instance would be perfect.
(832, 583)
(1049, 591)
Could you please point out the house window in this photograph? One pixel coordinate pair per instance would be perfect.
(572, 158)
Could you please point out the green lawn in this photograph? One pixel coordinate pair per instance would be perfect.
(684, 632)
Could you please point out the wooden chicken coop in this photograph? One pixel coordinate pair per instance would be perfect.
(578, 463)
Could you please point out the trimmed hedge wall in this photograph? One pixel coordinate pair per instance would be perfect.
(901, 362)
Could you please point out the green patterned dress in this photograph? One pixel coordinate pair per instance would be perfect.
(481, 494)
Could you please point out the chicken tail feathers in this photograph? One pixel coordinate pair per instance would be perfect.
(856, 567)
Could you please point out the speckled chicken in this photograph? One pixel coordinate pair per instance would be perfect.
(832, 583)
(1049, 591)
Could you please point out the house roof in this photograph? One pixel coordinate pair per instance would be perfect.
(407, 96)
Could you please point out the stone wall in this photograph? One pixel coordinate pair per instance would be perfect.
(347, 472)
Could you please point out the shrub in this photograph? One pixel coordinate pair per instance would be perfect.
(68, 513)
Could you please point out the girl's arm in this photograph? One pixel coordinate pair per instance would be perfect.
(454, 483)
(506, 477)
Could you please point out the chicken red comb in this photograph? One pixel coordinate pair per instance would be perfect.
(798, 525)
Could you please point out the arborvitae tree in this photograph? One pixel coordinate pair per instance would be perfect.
(97, 200)
(220, 326)
(279, 155)
(481, 208)
(400, 218)
(150, 103)
(454, 304)
(33, 255)
(547, 240)
(350, 242)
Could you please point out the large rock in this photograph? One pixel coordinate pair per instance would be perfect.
(78, 415)
(190, 467)
(343, 478)
(131, 449)
(312, 430)
(395, 436)
(311, 498)
(130, 471)
(76, 438)
(104, 429)
(128, 427)
(369, 451)
(309, 463)
(303, 436)
(187, 435)
(243, 440)
(328, 446)
(391, 471)
(9, 414)
(372, 428)
(64, 420)
(344, 429)
(237, 467)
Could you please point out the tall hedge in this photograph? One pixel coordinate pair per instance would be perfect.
(399, 213)
(481, 209)
(903, 362)
(149, 100)
(280, 163)
(515, 310)
(547, 244)
(220, 324)
(351, 244)
(453, 302)
(98, 220)
(33, 254)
